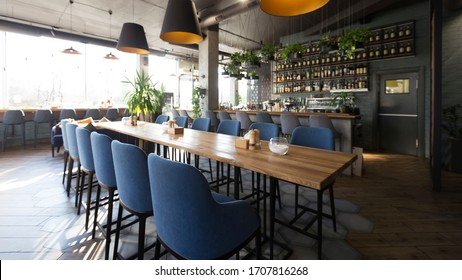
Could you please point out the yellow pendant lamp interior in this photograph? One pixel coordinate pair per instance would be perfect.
(181, 25)
(290, 7)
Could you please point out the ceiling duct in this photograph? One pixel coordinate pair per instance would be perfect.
(215, 17)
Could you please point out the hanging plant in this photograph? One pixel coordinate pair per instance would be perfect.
(234, 70)
(328, 43)
(353, 40)
(237, 58)
(292, 52)
(250, 59)
(268, 51)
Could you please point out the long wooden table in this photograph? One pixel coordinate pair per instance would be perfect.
(307, 167)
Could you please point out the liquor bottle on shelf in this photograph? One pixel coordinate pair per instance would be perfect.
(408, 48)
(385, 51)
(407, 30)
(386, 35)
(393, 49)
(401, 48)
(392, 33)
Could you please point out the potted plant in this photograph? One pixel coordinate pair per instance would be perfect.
(268, 51)
(452, 125)
(234, 70)
(354, 39)
(292, 52)
(252, 75)
(345, 103)
(328, 43)
(197, 95)
(225, 70)
(144, 100)
(250, 59)
(236, 58)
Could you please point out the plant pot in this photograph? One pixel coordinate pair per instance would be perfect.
(268, 58)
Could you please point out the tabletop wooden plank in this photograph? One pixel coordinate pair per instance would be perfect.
(312, 168)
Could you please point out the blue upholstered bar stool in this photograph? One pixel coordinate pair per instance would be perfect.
(161, 119)
(112, 114)
(14, 117)
(93, 113)
(104, 169)
(73, 158)
(67, 114)
(181, 121)
(131, 170)
(42, 116)
(267, 131)
(65, 146)
(192, 222)
(202, 124)
(87, 167)
(56, 139)
(325, 121)
(320, 138)
(228, 127)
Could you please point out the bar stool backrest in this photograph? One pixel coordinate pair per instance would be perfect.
(112, 114)
(67, 114)
(263, 117)
(85, 150)
(289, 123)
(43, 116)
(72, 140)
(102, 158)
(14, 116)
(230, 127)
(244, 119)
(267, 130)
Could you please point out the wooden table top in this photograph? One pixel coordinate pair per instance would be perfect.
(312, 168)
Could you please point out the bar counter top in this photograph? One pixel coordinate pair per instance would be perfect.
(299, 114)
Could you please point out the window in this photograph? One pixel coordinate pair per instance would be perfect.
(398, 86)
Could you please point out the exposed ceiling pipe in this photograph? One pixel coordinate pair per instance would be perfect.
(207, 20)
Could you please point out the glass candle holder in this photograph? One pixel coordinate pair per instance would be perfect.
(279, 145)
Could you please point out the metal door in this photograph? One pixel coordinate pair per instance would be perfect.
(398, 113)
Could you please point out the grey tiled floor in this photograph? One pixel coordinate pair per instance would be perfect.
(38, 220)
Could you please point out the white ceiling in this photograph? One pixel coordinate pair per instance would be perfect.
(241, 26)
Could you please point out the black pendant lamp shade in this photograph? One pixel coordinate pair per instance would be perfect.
(133, 39)
(181, 25)
(290, 7)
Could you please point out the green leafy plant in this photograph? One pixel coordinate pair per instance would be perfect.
(353, 38)
(234, 70)
(237, 58)
(327, 42)
(291, 49)
(144, 99)
(268, 51)
(452, 121)
(197, 95)
(345, 102)
(250, 58)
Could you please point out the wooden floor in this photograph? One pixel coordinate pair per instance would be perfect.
(411, 221)
(394, 193)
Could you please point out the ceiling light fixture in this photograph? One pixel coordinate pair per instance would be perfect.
(110, 55)
(132, 38)
(181, 25)
(70, 50)
(290, 7)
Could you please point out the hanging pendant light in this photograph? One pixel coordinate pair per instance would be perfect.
(110, 55)
(132, 38)
(181, 25)
(290, 7)
(71, 50)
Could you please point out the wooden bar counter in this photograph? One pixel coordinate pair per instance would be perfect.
(343, 123)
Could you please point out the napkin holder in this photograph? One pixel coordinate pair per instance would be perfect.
(174, 130)
(241, 143)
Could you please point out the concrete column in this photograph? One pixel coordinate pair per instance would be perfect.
(208, 68)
